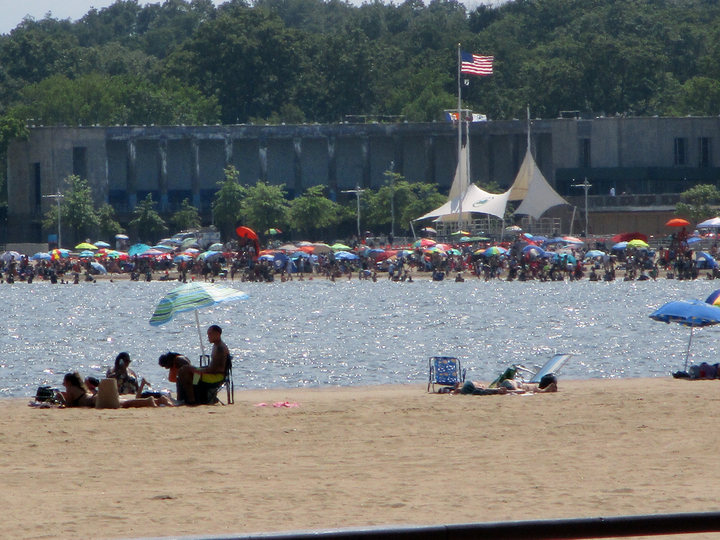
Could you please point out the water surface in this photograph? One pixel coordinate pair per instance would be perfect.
(319, 333)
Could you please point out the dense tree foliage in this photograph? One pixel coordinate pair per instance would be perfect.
(147, 222)
(187, 62)
(77, 212)
(697, 203)
(227, 204)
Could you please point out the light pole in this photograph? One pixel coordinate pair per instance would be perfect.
(587, 186)
(58, 197)
(392, 198)
(357, 191)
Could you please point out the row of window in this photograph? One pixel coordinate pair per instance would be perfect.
(680, 152)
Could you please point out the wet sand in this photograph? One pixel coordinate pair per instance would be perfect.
(349, 457)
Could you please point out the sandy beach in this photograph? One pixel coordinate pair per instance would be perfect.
(348, 457)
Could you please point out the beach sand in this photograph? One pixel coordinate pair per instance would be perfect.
(349, 457)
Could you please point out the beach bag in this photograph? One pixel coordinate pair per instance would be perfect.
(108, 396)
(45, 393)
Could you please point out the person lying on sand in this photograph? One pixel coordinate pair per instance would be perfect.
(77, 395)
(507, 386)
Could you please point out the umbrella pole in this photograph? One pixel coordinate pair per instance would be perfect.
(687, 354)
(202, 347)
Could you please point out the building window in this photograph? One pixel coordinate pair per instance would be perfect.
(704, 151)
(38, 186)
(680, 151)
(80, 161)
(585, 154)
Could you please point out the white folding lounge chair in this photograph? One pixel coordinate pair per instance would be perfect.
(552, 366)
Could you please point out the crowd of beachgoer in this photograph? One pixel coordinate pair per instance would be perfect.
(519, 260)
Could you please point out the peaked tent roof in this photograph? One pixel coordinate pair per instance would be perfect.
(473, 200)
(533, 190)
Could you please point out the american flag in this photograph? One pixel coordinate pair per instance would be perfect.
(474, 64)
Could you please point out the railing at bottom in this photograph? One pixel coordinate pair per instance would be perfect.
(554, 529)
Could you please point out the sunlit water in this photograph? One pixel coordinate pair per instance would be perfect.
(318, 333)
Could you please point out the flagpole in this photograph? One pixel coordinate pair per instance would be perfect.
(462, 191)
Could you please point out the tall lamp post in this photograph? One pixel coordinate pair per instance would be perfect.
(58, 197)
(392, 198)
(586, 186)
(357, 191)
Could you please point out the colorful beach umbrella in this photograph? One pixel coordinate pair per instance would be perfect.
(714, 298)
(192, 297)
(494, 250)
(637, 244)
(59, 253)
(692, 313)
(273, 232)
(423, 243)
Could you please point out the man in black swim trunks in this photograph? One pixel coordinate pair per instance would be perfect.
(194, 383)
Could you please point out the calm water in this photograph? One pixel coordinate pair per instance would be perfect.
(318, 333)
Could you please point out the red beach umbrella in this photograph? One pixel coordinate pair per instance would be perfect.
(677, 222)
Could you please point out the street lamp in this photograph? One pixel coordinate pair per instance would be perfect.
(392, 198)
(587, 186)
(357, 191)
(58, 197)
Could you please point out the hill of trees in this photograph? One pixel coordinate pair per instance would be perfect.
(317, 61)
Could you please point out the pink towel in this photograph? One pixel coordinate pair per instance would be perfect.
(286, 404)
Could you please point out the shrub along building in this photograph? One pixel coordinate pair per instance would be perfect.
(647, 162)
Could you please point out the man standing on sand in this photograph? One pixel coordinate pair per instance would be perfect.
(193, 383)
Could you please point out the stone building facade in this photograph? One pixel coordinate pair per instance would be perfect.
(638, 156)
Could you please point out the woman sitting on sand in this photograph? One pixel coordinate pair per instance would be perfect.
(126, 378)
(75, 394)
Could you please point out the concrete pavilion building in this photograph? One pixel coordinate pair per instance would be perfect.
(646, 161)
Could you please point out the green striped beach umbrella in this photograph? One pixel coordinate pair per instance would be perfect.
(191, 297)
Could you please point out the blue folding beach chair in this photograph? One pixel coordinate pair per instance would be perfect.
(445, 371)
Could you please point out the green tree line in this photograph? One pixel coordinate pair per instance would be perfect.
(261, 207)
(319, 60)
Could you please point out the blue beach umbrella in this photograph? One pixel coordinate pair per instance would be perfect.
(40, 256)
(345, 256)
(191, 297)
(594, 253)
(138, 249)
(99, 267)
(537, 250)
(692, 313)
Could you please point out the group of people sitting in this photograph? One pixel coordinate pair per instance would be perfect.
(195, 385)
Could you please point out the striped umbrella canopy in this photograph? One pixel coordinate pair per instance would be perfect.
(191, 297)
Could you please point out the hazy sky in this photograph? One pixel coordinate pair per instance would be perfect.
(12, 12)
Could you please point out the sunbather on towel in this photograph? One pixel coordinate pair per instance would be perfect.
(508, 386)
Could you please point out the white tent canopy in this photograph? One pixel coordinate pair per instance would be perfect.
(466, 198)
(711, 223)
(533, 190)
(473, 200)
